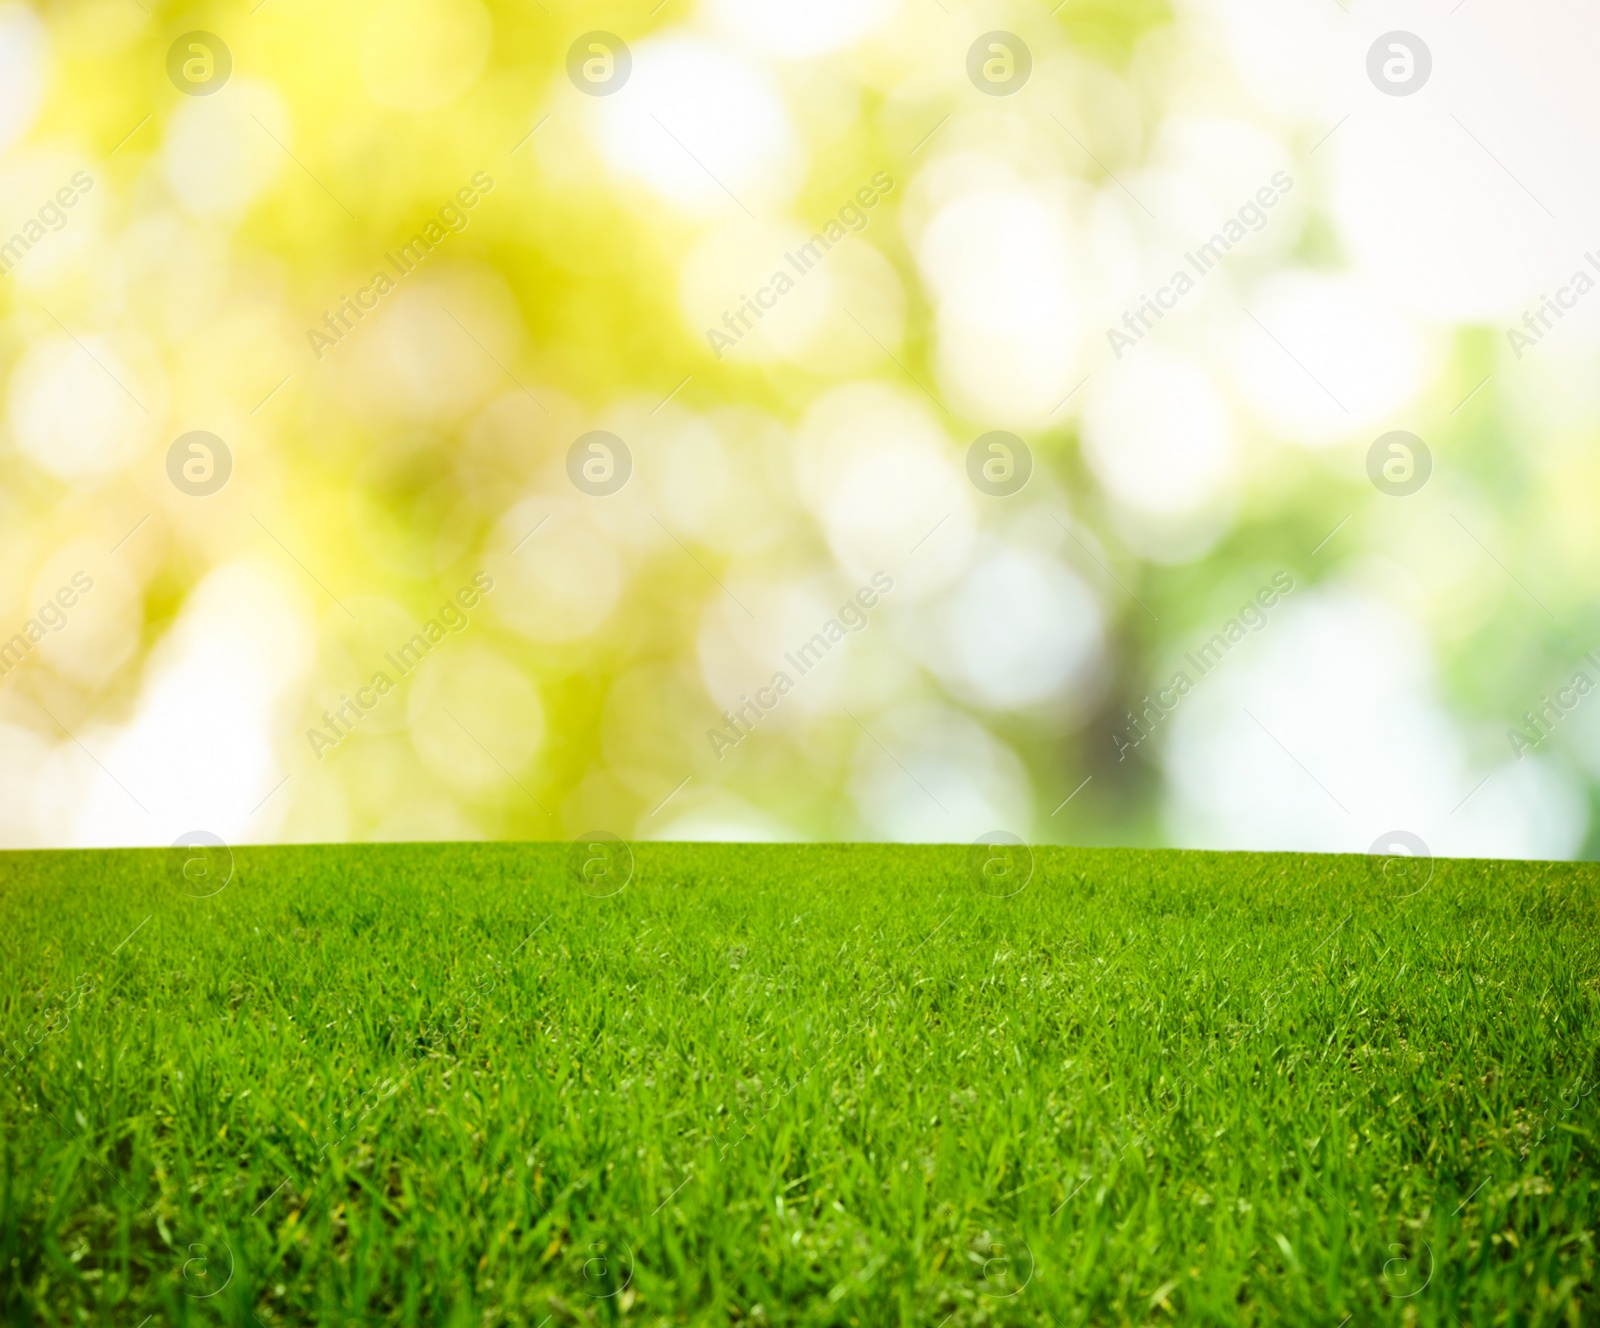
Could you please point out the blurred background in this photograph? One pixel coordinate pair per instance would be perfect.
(616, 477)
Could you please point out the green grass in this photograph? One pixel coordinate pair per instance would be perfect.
(808, 1085)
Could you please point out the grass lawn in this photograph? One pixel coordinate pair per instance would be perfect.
(485, 1084)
